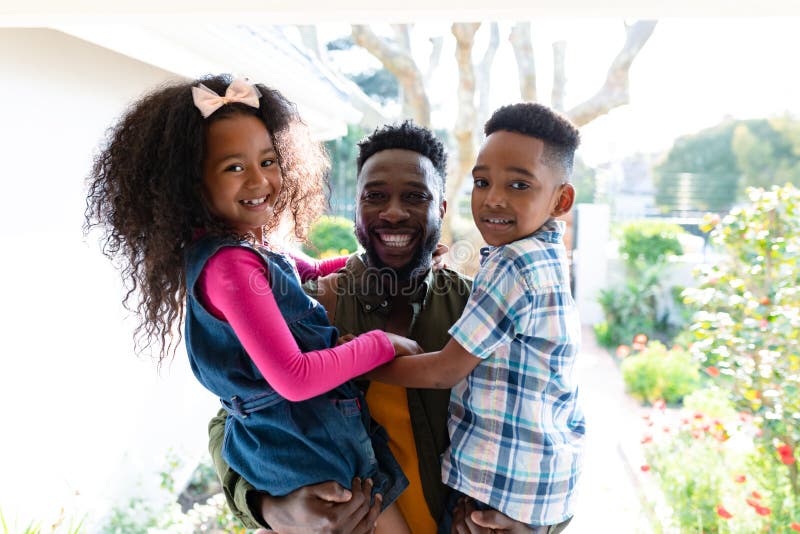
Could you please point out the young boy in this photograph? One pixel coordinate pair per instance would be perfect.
(516, 428)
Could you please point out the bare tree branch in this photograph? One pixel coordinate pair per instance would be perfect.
(614, 91)
(436, 54)
(522, 44)
(559, 75)
(400, 63)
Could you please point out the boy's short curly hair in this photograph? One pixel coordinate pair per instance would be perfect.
(406, 136)
(146, 190)
(561, 137)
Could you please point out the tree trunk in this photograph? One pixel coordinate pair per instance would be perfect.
(483, 80)
(399, 62)
(522, 44)
(465, 121)
(559, 75)
(614, 92)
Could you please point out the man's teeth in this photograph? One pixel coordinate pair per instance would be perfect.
(399, 240)
(499, 221)
(254, 201)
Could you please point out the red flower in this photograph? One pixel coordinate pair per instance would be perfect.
(712, 371)
(640, 338)
(647, 438)
(755, 494)
(645, 468)
(763, 510)
(787, 456)
(638, 346)
(739, 479)
(723, 513)
(659, 404)
(623, 351)
(795, 526)
(698, 415)
(753, 503)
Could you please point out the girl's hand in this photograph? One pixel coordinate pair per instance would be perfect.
(345, 338)
(403, 346)
(438, 257)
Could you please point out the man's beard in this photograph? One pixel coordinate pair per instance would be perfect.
(419, 264)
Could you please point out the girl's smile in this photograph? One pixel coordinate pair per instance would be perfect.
(241, 175)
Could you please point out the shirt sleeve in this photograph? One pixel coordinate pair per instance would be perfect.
(499, 307)
(310, 268)
(234, 286)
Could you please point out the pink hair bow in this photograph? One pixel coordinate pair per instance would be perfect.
(207, 101)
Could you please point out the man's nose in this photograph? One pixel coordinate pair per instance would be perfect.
(394, 212)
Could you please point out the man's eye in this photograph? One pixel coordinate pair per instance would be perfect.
(234, 168)
(479, 183)
(519, 186)
(417, 196)
(372, 195)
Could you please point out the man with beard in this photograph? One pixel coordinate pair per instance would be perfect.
(400, 197)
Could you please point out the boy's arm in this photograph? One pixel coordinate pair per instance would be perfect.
(432, 370)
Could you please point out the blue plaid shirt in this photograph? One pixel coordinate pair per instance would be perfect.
(516, 428)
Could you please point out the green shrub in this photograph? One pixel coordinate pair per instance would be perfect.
(748, 328)
(331, 233)
(649, 242)
(657, 373)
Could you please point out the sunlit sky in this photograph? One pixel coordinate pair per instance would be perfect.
(690, 75)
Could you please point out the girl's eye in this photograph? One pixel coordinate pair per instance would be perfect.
(234, 168)
(267, 162)
(520, 186)
(479, 183)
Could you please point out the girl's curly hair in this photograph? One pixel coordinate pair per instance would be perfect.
(145, 192)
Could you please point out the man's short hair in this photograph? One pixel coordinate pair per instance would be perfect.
(405, 136)
(561, 138)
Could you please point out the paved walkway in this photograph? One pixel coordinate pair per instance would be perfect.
(609, 498)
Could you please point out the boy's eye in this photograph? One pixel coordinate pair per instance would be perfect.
(267, 162)
(479, 183)
(520, 186)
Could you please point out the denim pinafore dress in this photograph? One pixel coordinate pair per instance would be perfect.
(275, 444)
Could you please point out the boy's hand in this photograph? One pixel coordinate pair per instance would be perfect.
(403, 346)
(438, 257)
(325, 507)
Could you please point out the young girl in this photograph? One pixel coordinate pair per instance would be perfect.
(194, 180)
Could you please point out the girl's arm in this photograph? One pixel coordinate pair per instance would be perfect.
(234, 287)
(432, 370)
(310, 268)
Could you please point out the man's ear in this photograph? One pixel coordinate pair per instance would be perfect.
(565, 199)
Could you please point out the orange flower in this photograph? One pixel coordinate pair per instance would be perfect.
(712, 371)
(764, 301)
(638, 346)
(723, 513)
(787, 456)
(647, 438)
(788, 460)
(659, 404)
(755, 494)
(640, 338)
(795, 526)
(739, 479)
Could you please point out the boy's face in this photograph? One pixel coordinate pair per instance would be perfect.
(514, 192)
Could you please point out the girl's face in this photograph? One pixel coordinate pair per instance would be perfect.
(241, 176)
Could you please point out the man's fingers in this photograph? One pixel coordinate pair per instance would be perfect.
(330, 491)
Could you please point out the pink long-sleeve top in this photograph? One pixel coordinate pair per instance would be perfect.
(225, 288)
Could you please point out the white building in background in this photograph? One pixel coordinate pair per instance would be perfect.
(86, 424)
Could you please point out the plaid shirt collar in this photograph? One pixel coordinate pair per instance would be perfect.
(552, 231)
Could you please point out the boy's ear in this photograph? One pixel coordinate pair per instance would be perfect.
(565, 199)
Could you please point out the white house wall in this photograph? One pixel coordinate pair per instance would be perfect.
(81, 413)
